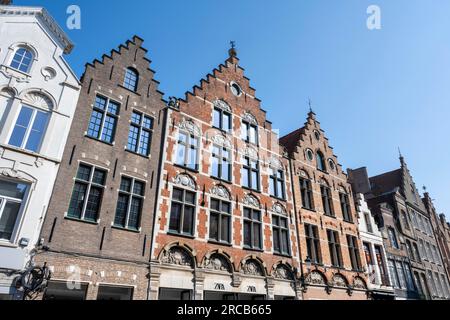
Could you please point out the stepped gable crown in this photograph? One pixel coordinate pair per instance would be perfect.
(226, 82)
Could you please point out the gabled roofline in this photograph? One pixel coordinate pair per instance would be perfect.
(45, 17)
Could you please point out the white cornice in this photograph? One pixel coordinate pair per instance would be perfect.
(45, 17)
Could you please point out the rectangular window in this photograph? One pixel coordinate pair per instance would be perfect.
(221, 163)
(12, 196)
(222, 120)
(280, 229)
(401, 275)
(313, 244)
(438, 285)
(276, 183)
(252, 229)
(368, 222)
(393, 273)
(345, 207)
(416, 252)
(140, 134)
(445, 286)
(249, 132)
(129, 204)
(29, 129)
(307, 194)
(409, 279)
(182, 213)
(187, 153)
(327, 201)
(102, 125)
(87, 193)
(250, 173)
(354, 252)
(335, 248)
(393, 238)
(220, 221)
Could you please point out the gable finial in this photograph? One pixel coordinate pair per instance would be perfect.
(310, 106)
(232, 52)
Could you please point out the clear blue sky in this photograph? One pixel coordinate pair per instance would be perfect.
(373, 91)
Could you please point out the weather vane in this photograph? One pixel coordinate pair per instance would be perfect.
(233, 44)
(310, 105)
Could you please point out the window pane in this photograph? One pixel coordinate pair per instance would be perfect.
(139, 188)
(37, 131)
(216, 120)
(130, 80)
(136, 118)
(215, 205)
(8, 219)
(12, 190)
(190, 197)
(253, 134)
(215, 167)
(95, 124)
(247, 213)
(213, 226)
(245, 177)
(20, 129)
(188, 222)
(272, 186)
(175, 216)
(147, 123)
(226, 171)
(226, 122)
(99, 177)
(135, 213)
(93, 204)
(113, 108)
(225, 228)
(256, 215)
(125, 184)
(247, 234)
(77, 200)
(144, 144)
(181, 152)
(108, 129)
(276, 240)
(121, 210)
(285, 241)
(178, 194)
(133, 136)
(226, 207)
(100, 103)
(255, 180)
(192, 158)
(257, 235)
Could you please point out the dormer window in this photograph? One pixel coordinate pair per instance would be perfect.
(22, 60)
(131, 79)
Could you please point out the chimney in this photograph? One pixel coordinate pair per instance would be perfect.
(5, 2)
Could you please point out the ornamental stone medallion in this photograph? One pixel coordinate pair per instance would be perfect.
(315, 278)
(177, 256)
(221, 192)
(275, 163)
(253, 268)
(279, 209)
(191, 127)
(249, 118)
(339, 281)
(185, 181)
(250, 200)
(359, 283)
(282, 272)
(220, 104)
(221, 141)
(217, 262)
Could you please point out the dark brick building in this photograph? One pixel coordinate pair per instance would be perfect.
(414, 261)
(331, 252)
(99, 222)
(225, 226)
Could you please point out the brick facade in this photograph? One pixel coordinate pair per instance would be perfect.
(325, 280)
(100, 249)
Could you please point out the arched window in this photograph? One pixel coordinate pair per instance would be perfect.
(320, 161)
(131, 79)
(22, 60)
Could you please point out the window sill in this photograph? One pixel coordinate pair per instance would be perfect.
(125, 229)
(25, 74)
(222, 130)
(348, 221)
(129, 90)
(82, 221)
(329, 215)
(186, 168)
(310, 210)
(138, 154)
(98, 140)
(176, 234)
(225, 244)
(284, 255)
(222, 180)
(250, 189)
(253, 249)
(278, 198)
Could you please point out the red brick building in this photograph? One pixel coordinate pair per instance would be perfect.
(331, 252)
(225, 226)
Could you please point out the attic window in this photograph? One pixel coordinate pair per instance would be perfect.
(317, 134)
(331, 164)
(309, 155)
(235, 89)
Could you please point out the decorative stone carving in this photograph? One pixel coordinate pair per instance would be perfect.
(279, 209)
(38, 99)
(222, 105)
(275, 163)
(11, 173)
(359, 283)
(249, 118)
(217, 262)
(315, 278)
(39, 163)
(251, 152)
(339, 281)
(253, 268)
(185, 181)
(250, 200)
(221, 192)
(177, 256)
(191, 127)
(302, 174)
(283, 272)
(221, 141)
(174, 103)
(49, 73)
